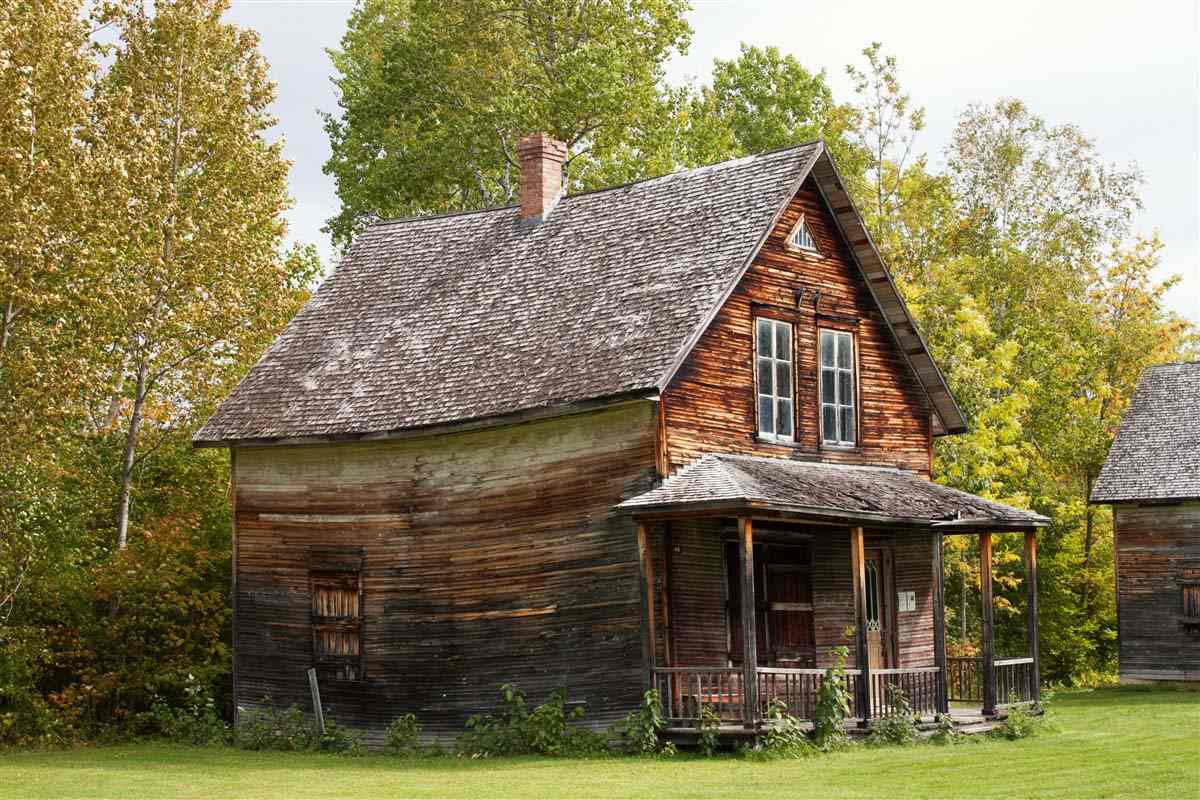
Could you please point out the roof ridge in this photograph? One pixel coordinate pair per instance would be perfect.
(601, 189)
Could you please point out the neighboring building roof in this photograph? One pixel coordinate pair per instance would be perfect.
(442, 320)
(1156, 455)
(731, 483)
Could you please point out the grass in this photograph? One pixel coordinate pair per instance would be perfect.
(1120, 742)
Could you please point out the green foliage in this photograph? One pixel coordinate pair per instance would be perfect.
(899, 726)
(708, 726)
(945, 733)
(265, 727)
(640, 729)
(403, 734)
(1019, 724)
(547, 730)
(197, 722)
(786, 737)
(833, 705)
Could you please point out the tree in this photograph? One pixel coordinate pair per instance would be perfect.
(435, 95)
(196, 281)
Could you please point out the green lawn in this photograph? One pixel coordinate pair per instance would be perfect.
(1107, 743)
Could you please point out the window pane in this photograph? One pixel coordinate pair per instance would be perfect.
(764, 337)
(826, 349)
(765, 386)
(847, 424)
(829, 422)
(845, 389)
(766, 415)
(827, 378)
(785, 418)
(844, 348)
(783, 341)
(783, 379)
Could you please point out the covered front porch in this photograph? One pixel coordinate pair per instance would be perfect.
(757, 571)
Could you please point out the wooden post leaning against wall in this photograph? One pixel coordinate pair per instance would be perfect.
(749, 633)
(1031, 611)
(858, 579)
(646, 561)
(939, 623)
(987, 633)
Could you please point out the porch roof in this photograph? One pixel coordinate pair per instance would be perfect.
(721, 483)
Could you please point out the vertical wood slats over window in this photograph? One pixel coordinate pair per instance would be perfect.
(335, 580)
(1191, 600)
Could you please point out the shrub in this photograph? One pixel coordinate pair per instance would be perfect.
(268, 728)
(708, 726)
(547, 730)
(639, 731)
(786, 737)
(833, 705)
(1019, 724)
(946, 733)
(197, 722)
(402, 735)
(900, 725)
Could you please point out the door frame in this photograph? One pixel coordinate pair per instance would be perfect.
(887, 596)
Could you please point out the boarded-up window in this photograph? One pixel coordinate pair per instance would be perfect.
(335, 578)
(1191, 600)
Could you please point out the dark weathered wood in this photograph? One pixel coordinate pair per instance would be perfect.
(490, 557)
(862, 660)
(749, 641)
(1031, 612)
(939, 622)
(987, 632)
(1157, 553)
(646, 560)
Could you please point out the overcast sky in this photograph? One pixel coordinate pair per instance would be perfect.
(1127, 74)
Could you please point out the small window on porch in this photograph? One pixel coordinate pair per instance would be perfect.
(838, 408)
(773, 375)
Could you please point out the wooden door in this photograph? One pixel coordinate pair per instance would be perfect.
(879, 633)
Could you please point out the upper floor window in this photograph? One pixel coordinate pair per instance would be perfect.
(774, 376)
(802, 237)
(837, 388)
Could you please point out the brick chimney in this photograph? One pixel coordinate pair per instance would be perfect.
(541, 160)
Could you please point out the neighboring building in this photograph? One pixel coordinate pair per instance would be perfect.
(676, 431)
(1152, 479)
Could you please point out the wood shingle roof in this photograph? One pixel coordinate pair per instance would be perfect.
(1156, 454)
(461, 317)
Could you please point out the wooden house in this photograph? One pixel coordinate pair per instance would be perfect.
(1152, 479)
(674, 433)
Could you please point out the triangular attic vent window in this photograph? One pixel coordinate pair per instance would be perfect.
(802, 237)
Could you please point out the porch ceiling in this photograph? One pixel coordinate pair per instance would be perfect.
(753, 485)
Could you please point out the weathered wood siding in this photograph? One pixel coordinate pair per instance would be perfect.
(710, 404)
(696, 590)
(488, 557)
(1158, 551)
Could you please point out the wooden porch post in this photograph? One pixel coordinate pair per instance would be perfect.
(939, 623)
(749, 633)
(858, 575)
(646, 561)
(1031, 610)
(989, 655)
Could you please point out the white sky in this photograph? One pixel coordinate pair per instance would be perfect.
(1127, 74)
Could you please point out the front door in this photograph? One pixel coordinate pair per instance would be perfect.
(879, 634)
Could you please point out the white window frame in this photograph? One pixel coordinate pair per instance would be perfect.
(802, 231)
(764, 390)
(836, 438)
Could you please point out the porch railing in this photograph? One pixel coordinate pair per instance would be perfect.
(684, 691)
(1015, 681)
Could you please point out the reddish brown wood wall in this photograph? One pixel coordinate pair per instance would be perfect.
(1158, 551)
(696, 590)
(489, 557)
(710, 403)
